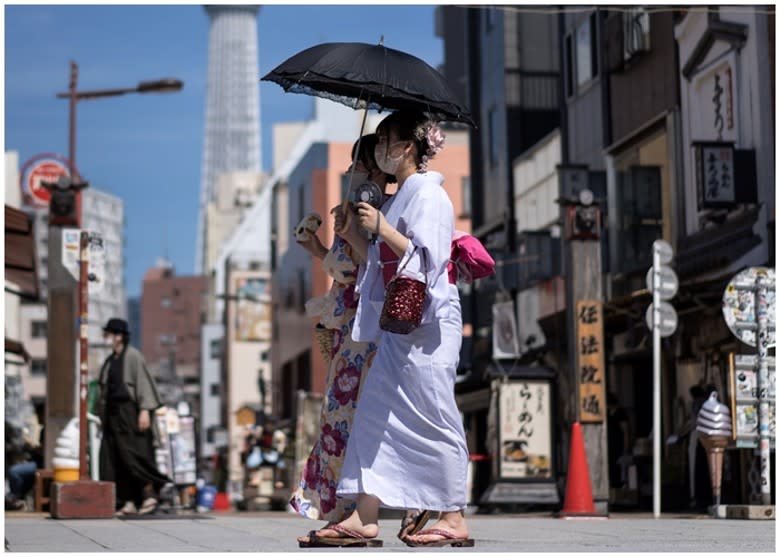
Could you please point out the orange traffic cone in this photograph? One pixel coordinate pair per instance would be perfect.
(579, 495)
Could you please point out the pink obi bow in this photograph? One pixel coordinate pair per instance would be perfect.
(469, 260)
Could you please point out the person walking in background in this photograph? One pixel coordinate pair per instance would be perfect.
(348, 361)
(128, 399)
(407, 448)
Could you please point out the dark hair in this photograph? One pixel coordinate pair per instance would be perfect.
(414, 126)
(368, 144)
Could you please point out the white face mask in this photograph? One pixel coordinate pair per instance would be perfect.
(384, 161)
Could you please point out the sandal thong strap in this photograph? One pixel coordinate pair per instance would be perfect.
(437, 532)
(346, 531)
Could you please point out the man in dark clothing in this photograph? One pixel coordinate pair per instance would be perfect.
(129, 398)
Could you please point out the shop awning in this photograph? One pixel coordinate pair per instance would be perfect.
(16, 347)
(715, 248)
(20, 258)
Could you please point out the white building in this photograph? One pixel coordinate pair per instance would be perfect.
(726, 97)
(537, 215)
(234, 195)
(104, 213)
(210, 389)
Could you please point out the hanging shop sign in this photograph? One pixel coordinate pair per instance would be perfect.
(253, 309)
(45, 167)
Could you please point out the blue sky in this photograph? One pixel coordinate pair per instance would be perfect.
(146, 149)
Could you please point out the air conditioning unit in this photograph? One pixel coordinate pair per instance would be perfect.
(636, 32)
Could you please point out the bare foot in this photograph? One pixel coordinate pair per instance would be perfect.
(352, 523)
(452, 522)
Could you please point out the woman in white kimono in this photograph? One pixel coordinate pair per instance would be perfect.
(407, 448)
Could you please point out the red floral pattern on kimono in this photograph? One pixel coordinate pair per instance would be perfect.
(315, 496)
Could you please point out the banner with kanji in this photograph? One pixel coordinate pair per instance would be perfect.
(590, 361)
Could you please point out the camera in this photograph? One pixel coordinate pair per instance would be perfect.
(367, 192)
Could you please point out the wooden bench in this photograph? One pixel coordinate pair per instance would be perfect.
(43, 479)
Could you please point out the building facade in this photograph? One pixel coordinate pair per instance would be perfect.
(172, 307)
(644, 97)
(234, 195)
(246, 377)
(212, 348)
(104, 213)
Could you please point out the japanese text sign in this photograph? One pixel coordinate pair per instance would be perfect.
(590, 361)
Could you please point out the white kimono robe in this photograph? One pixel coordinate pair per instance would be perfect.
(407, 445)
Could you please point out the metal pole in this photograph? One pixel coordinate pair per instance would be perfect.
(656, 382)
(83, 353)
(763, 381)
(74, 76)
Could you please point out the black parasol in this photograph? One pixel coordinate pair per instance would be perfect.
(364, 76)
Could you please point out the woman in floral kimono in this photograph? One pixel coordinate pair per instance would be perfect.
(315, 497)
(407, 446)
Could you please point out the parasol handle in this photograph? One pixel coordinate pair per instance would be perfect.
(345, 201)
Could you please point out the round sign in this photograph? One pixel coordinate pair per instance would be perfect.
(739, 305)
(664, 250)
(668, 321)
(43, 171)
(669, 282)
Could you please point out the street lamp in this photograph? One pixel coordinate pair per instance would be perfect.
(167, 85)
(62, 311)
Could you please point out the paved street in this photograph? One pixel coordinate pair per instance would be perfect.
(275, 532)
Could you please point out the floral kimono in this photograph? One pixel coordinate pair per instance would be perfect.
(315, 496)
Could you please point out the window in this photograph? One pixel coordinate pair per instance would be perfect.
(264, 356)
(465, 190)
(493, 136)
(586, 51)
(39, 329)
(38, 367)
(581, 55)
(215, 349)
(214, 389)
(165, 302)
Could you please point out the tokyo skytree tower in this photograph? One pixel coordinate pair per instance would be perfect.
(232, 132)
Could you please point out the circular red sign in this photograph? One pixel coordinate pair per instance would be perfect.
(46, 171)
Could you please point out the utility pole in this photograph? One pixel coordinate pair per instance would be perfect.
(62, 306)
(586, 399)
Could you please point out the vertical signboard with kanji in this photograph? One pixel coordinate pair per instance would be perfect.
(715, 174)
(525, 429)
(590, 361)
